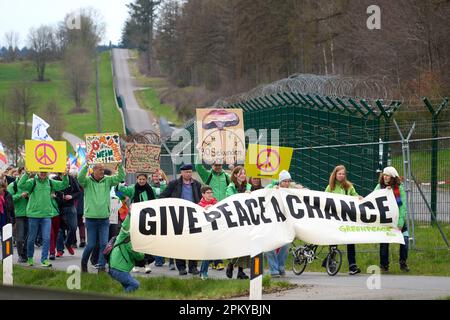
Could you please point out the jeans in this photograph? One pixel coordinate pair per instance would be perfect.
(351, 255)
(159, 261)
(129, 283)
(114, 230)
(81, 228)
(97, 229)
(384, 252)
(70, 222)
(181, 264)
(277, 260)
(21, 236)
(33, 226)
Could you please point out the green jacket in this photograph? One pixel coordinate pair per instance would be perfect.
(20, 204)
(402, 208)
(97, 194)
(231, 189)
(218, 182)
(338, 189)
(41, 204)
(160, 189)
(130, 190)
(123, 258)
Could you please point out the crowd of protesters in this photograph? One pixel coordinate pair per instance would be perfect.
(47, 211)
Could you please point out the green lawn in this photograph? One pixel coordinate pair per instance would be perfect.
(431, 257)
(149, 100)
(55, 88)
(150, 288)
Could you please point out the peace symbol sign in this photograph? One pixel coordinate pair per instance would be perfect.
(45, 154)
(268, 160)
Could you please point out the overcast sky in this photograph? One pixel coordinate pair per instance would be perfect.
(21, 15)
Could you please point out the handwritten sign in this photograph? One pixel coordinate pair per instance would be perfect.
(142, 158)
(103, 148)
(45, 156)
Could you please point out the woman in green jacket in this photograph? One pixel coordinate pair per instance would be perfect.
(390, 179)
(123, 258)
(339, 184)
(238, 185)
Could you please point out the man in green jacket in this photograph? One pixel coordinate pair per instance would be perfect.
(40, 210)
(123, 259)
(20, 199)
(97, 188)
(216, 178)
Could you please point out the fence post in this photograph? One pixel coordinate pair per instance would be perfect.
(434, 152)
(7, 254)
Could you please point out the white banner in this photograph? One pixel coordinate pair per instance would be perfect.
(246, 224)
(40, 129)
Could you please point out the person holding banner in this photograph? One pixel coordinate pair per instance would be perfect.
(188, 189)
(238, 185)
(390, 179)
(40, 210)
(339, 184)
(139, 192)
(97, 188)
(20, 199)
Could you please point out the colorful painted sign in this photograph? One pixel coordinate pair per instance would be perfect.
(103, 148)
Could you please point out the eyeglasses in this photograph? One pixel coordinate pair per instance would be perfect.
(209, 192)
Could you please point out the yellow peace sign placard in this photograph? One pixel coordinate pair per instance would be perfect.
(45, 156)
(267, 161)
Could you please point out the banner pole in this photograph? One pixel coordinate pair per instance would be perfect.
(7, 255)
(256, 272)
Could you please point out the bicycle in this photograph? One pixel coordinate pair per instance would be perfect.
(306, 254)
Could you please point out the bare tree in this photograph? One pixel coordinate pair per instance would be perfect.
(55, 118)
(41, 45)
(78, 71)
(12, 45)
(22, 103)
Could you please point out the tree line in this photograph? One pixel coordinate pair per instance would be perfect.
(231, 46)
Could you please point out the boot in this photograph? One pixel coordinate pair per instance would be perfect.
(229, 270)
(241, 274)
(84, 267)
(404, 266)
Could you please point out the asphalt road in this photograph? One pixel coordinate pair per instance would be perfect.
(136, 119)
(312, 285)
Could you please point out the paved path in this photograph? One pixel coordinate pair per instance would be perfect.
(73, 139)
(136, 119)
(312, 285)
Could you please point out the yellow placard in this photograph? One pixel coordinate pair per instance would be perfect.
(267, 161)
(45, 156)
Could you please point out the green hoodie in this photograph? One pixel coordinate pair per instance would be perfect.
(338, 189)
(41, 204)
(20, 203)
(218, 182)
(123, 258)
(97, 194)
(130, 190)
(231, 189)
(402, 208)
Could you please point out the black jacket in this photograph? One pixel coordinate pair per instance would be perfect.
(9, 208)
(175, 188)
(73, 190)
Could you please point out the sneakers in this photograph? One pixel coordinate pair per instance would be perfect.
(136, 269)
(282, 272)
(148, 269)
(22, 260)
(354, 270)
(171, 266)
(82, 244)
(194, 271)
(51, 257)
(220, 266)
(229, 270)
(204, 276)
(242, 275)
(30, 262)
(59, 254)
(182, 272)
(46, 264)
(384, 269)
(404, 266)
(273, 275)
(70, 250)
(84, 268)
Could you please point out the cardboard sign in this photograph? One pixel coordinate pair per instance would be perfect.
(103, 148)
(267, 161)
(221, 135)
(142, 158)
(45, 156)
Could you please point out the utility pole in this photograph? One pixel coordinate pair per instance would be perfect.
(97, 92)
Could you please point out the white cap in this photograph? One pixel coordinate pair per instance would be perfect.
(391, 171)
(284, 175)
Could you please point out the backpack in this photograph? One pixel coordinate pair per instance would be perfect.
(208, 181)
(111, 245)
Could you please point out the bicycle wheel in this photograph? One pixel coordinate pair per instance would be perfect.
(334, 261)
(298, 262)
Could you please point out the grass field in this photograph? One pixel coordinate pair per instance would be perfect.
(150, 288)
(149, 100)
(55, 88)
(431, 257)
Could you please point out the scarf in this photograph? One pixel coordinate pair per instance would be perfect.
(140, 189)
(397, 195)
(2, 203)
